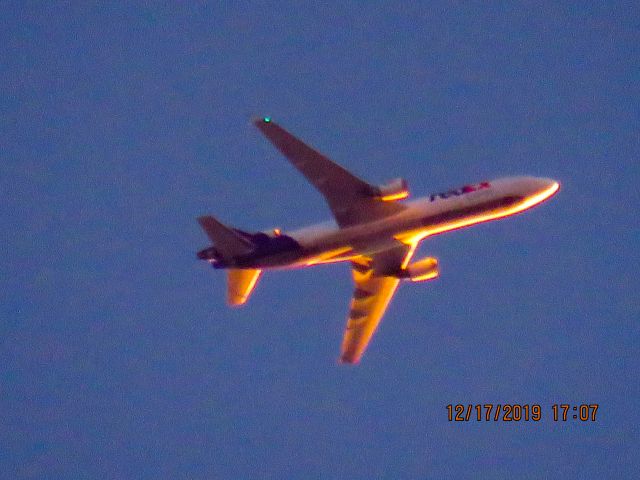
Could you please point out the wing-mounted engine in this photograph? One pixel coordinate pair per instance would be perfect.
(424, 269)
(396, 189)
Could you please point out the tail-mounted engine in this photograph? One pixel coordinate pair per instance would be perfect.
(425, 269)
(211, 255)
(396, 189)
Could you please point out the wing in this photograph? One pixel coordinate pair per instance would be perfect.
(351, 199)
(375, 286)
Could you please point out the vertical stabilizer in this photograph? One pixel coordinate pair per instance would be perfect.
(240, 284)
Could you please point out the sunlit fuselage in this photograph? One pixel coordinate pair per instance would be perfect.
(438, 213)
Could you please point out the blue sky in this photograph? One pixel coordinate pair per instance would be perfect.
(119, 125)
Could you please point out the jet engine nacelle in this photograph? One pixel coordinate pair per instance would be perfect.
(396, 189)
(425, 269)
(213, 256)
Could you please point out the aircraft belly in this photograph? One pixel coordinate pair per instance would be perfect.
(368, 239)
(347, 243)
(272, 261)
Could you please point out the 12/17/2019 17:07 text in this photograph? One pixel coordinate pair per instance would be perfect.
(515, 412)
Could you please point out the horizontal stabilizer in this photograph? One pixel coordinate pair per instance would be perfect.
(226, 240)
(240, 284)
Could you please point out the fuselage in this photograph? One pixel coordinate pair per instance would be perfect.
(424, 217)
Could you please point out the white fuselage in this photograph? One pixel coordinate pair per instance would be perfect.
(438, 213)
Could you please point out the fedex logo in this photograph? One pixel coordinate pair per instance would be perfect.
(459, 191)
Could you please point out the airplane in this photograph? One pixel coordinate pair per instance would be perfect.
(376, 232)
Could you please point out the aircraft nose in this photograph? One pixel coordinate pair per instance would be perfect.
(549, 184)
(546, 187)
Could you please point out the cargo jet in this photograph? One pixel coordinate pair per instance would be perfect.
(375, 232)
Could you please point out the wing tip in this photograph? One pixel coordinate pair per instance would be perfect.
(345, 359)
(203, 219)
(258, 120)
(237, 302)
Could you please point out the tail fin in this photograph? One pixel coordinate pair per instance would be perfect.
(228, 242)
(240, 284)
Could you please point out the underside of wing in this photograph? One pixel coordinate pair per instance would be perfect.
(350, 199)
(376, 281)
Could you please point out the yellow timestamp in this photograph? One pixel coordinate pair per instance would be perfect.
(517, 412)
(583, 412)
